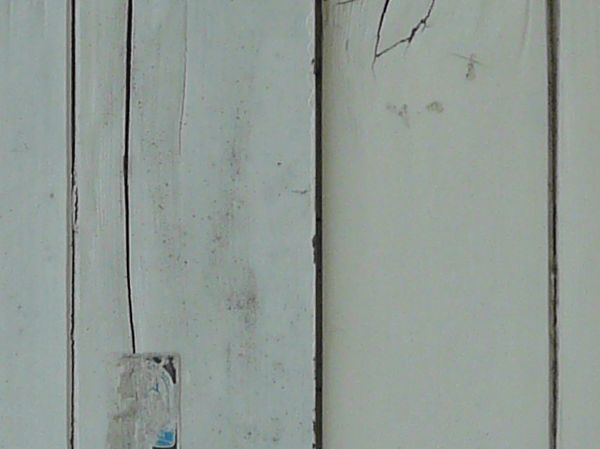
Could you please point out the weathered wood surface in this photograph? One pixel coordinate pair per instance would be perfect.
(188, 204)
(435, 225)
(579, 226)
(215, 201)
(33, 224)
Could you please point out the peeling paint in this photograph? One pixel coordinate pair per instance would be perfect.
(146, 409)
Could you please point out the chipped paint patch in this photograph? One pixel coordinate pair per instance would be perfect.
(146, 407)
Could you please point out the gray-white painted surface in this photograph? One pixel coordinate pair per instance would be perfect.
(216, 197)
(435, 226)
(435, 212)
(222, 213)
(579, 226)
(33, 224)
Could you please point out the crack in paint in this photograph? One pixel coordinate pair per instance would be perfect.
(127, 129)
(421, 25)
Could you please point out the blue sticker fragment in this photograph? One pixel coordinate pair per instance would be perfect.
(166, 439)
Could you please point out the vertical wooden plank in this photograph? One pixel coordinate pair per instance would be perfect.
(578, 226)
(101, 329)
(33, 223)
(435, 225)
(222, 213)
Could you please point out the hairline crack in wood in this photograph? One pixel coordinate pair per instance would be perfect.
(126, 193)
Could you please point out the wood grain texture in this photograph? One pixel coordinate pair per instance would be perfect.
(435, 225)
(101, 331)
(579, 225)
(33, 224)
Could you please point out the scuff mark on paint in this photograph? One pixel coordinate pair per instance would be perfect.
(235, 282)
(243, 299)
(243, 302)
(146, 408)
(435, 106)
(470, 75)
(401, 112)
(472, 61)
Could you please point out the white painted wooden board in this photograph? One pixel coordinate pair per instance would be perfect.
(435, 226)
(579, 226)
(222, 213)
(221, 189)
(101, 331)
(435, 212)
(33, 224)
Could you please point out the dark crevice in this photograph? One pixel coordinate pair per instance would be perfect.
(318, 239)
(72, 224)
(127, 126)
(380, 29)
(552, 20)
(421, 25)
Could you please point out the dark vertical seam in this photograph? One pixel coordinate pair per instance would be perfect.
(72, 207)
(129, 50)
(318, 239)
(553, 28)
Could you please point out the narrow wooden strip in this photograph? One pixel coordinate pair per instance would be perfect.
(579, 226)
(101, 328)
